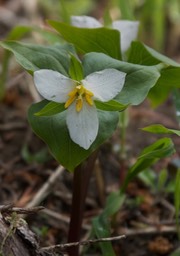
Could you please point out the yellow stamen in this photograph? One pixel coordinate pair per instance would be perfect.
(89, 93)
(69, 101)
(89, 99)
(79, 94)
(73, 92)
(72, 97)
(79, 104)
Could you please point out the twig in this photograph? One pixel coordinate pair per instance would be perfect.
(9, 209)
(12, 126)
(149, 230)
(65, 196)
(82, 243)
(169, 206)
(58, 216)
(15, 80)
(62, 217)
(155, 223)
(46, 188)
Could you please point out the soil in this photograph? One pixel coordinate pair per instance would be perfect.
(147, 217)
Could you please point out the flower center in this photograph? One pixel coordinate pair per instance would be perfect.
(78, 94)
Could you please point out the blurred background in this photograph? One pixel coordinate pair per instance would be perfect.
(159, 19)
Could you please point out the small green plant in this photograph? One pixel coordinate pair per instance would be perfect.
(13, 223)
(41, 232)
(41, 156)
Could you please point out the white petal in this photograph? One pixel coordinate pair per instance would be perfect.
(85, 22)
(105, 84)
(128, 30)
(52, 85)
(83, 126)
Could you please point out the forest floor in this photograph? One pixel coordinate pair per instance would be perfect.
(147, 217)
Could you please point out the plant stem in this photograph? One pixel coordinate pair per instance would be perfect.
(81, 180)
(123, 118)
(123, 125)
(3, 74)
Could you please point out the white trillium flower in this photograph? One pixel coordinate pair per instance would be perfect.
(127, 28)
(78, 96)
(85, 22)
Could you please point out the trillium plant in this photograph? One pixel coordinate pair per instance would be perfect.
(84, 84)
(128, 29)
(78, 97)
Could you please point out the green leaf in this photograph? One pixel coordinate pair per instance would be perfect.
(160, 149)
(101, 228)
(158, 22)
(160, 129)
(144, 55)
(148, 177)
(78, 7)
(101, 224)
(47, 35)
(114, 202)
(15, 34)
(40, 157)
(168, 81)
(176, 98)
(126, 9)
(86, 40)
(18, 32)
(53, 131)
(75, 71)
(52, 108)
(162, 179)
(176, 252)
(177, 196)
(111, 105)
(34, 57)
(139, 79)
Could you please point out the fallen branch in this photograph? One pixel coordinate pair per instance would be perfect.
(46, 188)
(15, 236)
(9, 209)
(149, 230)
(62, 247)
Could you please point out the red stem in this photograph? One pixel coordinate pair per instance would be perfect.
(81, 180)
